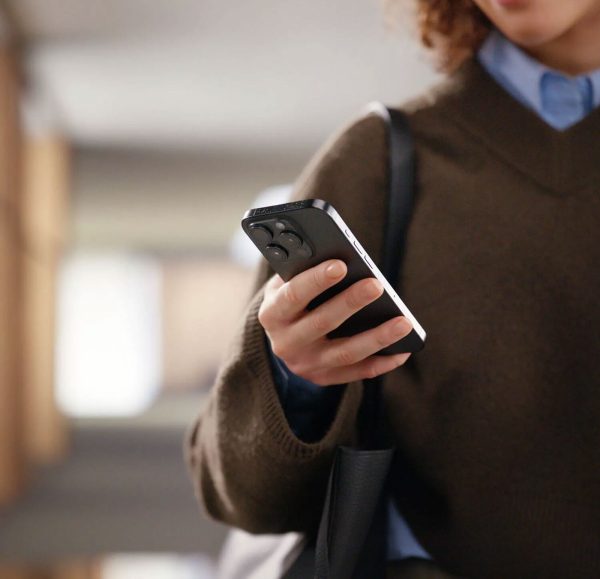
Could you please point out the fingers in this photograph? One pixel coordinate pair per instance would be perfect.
(333, 313)
(343, 359)
(369, 368)
(350, 351)
(299, 337)
(286, 302)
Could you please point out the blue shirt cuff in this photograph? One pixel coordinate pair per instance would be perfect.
(308, 407)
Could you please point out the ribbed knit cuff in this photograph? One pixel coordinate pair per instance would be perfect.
(343, 427)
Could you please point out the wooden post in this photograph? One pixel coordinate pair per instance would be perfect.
(45, 191)
(12, 459)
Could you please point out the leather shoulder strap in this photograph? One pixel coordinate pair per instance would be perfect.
(401, 189)
(400, 199)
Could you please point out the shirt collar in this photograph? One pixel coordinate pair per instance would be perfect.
(595, 80)
(507, 63)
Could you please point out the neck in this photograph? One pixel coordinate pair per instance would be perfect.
(575, 52)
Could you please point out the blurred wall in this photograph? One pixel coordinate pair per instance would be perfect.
(202, 305)
(169, 201)
(183, 208)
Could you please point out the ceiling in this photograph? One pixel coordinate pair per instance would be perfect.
(260, 75)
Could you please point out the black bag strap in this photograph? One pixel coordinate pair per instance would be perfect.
(399, 207)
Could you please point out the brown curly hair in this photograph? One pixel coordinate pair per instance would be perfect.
(453, 29)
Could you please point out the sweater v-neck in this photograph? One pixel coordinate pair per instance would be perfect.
(562, 162)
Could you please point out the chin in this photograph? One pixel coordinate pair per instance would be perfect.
(530, 32)
(531, 23)
(529, 36)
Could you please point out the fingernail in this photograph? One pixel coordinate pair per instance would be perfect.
(334, 270)
(401, 359)
(373, 288)
(402, 326)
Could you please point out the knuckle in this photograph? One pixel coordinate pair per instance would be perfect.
(372, 369)
(318, 322)
(319, 278)
(290, 295)
(264, 316)
(343, 357)
(271, 284)
(278, 350)
(353, 300)
(382, 339)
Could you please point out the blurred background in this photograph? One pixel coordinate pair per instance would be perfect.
(133, 136)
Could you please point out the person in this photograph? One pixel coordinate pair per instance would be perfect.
(498, 418)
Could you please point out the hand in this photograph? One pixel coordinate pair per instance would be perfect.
(299, 336)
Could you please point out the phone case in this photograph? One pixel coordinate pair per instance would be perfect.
(296, 236)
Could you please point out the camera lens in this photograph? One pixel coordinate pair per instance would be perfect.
(276, 252)
(260, 233)
(305, 251)
(290, 240)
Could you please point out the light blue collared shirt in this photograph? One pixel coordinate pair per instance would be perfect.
(558, 99)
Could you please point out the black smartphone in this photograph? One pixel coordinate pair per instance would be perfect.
(296, 236)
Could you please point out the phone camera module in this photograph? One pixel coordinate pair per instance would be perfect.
(276, 252)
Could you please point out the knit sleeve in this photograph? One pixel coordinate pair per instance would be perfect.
(248, 467)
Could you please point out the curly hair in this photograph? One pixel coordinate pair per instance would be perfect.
(452, 29)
